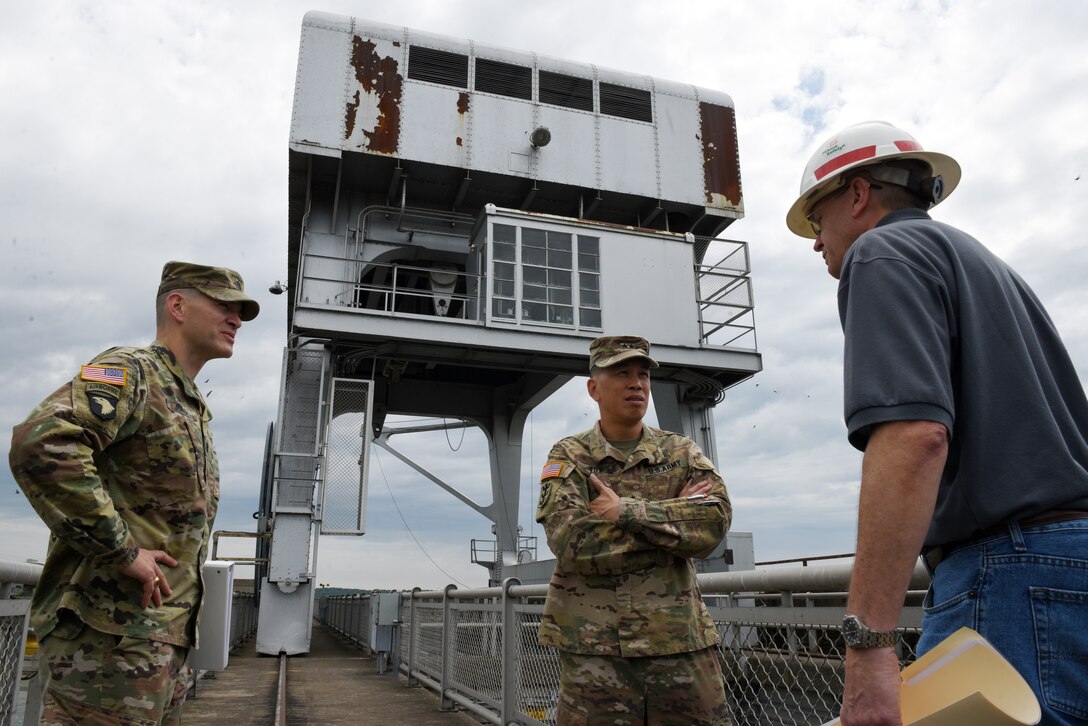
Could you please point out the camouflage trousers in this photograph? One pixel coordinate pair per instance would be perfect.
(110, 680)
(684, 689)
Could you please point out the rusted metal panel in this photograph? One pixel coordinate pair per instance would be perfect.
(378, 77)
(463, 99)
(354, 94)
(721, 160)
(349, 116)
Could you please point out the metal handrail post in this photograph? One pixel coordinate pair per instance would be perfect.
(447, 636)
(393, 294)
(33, 710)
(792, 641)
(413, 634)
(365, 618)
(511, 641)
(394, 644)
(368, 621)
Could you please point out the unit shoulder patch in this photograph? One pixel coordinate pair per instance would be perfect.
(103, 404)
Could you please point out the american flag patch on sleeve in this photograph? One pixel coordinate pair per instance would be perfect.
(113, 376)
(551, 470)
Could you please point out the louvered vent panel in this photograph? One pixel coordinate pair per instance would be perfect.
(566, 91)
(632, 103)
(437, 66)
(505, 79)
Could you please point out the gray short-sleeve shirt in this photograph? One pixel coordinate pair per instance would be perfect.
(938, 328)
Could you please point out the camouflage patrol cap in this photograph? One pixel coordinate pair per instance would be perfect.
(218, 283)
(613, 349)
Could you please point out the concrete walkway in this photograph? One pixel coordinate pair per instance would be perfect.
(333, 684)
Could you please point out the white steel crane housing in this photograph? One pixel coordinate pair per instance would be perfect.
(462, 220)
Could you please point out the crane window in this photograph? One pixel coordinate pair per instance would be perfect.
(545, 277)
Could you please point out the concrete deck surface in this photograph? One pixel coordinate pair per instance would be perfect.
(335, 683)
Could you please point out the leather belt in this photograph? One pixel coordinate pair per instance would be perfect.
(934, 555)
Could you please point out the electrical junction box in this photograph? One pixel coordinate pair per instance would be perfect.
(214, 628)
(385, 611)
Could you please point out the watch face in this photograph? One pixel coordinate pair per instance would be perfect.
(851, 630)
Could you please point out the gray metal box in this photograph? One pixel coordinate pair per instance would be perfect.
(214, 628)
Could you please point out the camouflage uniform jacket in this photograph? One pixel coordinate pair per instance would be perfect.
(113, 466)
(629, 588)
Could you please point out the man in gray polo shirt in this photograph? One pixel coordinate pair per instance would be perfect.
(974, 425)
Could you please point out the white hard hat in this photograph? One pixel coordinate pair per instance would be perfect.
(866, 144)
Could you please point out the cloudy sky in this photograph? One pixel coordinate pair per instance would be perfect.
(132, 133)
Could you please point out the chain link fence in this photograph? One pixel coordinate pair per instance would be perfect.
(17, 662)
(537, 667)
(243, 618)
(781, 674)
(20, 685)
(347, 457)
(13, 624)
(296, 454)
(782, 653)
(476, 648)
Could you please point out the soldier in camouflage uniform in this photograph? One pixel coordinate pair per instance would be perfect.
(120, 465)
(625, 506)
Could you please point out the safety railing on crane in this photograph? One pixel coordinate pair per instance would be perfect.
(724, 296)
(724, 293)
(392, 288)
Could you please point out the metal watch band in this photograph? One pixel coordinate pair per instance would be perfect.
(886, 639)
(857, 634)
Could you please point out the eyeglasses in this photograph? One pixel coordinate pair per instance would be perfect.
(816, 220)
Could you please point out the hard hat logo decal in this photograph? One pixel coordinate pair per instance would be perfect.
(835, 148)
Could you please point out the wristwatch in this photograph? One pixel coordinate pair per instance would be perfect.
(857, 634)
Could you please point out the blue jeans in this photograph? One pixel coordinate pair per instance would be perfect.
(1027, 593)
